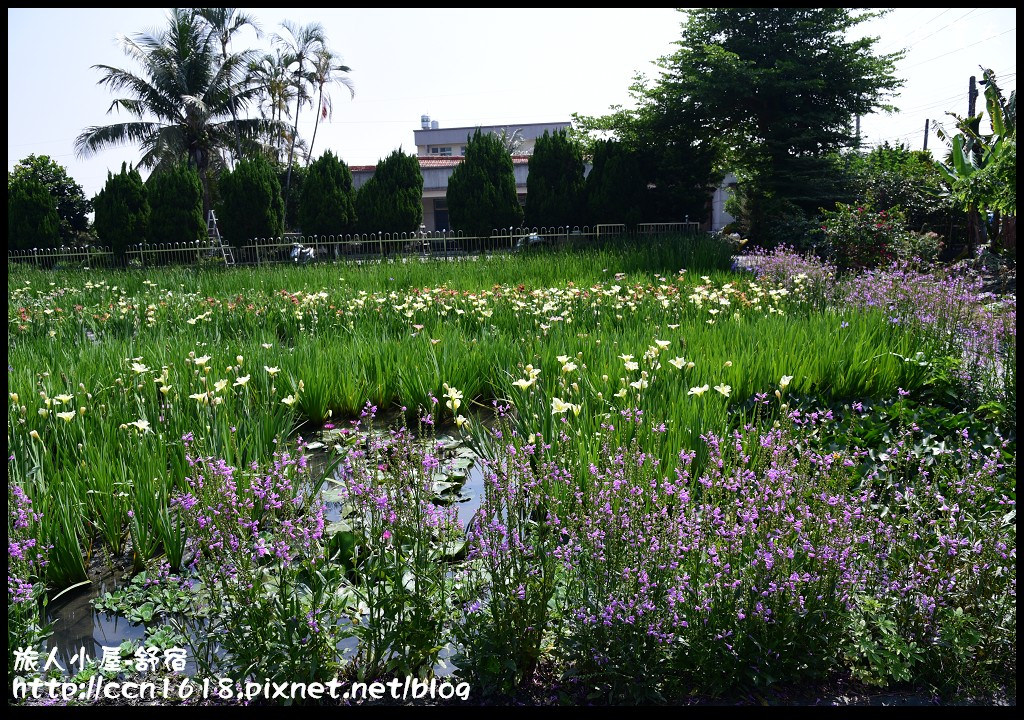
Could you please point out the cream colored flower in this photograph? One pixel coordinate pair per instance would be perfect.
(142, 424)
(139, 368)
(630, 365)
(289, 400)
(677, 363)
(272, 371)
(200, 361)
(698, 391)
(241, 381)
(724, 389)
(558, 406)
(67, 416)
(220, 385)
(523, 384)
(784, 382)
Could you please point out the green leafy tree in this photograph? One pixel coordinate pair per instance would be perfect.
(328, 199)
(554, 186)
(615, 186)
(32, 220)
(675, 152)
(774, 92)
(251, 203)
(391, 200)
(981, 169)
(72, 206)
(482, 189)
(299, 46)
(176, 206)
(122, 211)
(184, 100)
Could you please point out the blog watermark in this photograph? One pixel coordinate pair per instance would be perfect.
(145, 660)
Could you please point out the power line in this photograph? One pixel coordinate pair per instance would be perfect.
(920, 27)
(952, 52)
(920, 40)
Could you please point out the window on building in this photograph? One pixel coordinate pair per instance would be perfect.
(462, 151)
(445, 151)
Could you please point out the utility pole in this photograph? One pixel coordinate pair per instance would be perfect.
(973, 217)
(927, 120)
(858, 132)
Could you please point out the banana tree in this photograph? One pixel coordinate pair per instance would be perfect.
(981, 169)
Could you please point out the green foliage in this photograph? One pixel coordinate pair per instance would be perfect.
(294, 200)
(981, 169)
(896, 177)
(176, 206)
(328, 201)
(72, 205)
(32, 219)
(554, 186)
(182, 100)
(251, 203)
(391, 201)
(861, 237)
(122, 211)
(482, 190)
(615, 186)
(776, 91)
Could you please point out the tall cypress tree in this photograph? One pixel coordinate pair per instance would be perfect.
(391, 201)
(482, 189)
(176, 205)
(328, 200)
(251, 203)
(615, 186)
(32, 220)
(554, 187)
(122, 211)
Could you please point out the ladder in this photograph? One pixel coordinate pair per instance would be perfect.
(213, 233)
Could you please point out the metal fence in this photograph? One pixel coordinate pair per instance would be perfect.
(294, 248)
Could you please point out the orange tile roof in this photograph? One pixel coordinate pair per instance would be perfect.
(437, 161)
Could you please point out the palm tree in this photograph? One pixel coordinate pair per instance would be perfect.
(271, 75)
(187, 90)
(324, 71)
(223, 23)
(299, 48)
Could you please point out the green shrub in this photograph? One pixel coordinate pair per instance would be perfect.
(862, 237)
(482, 190)
(176, 206)
(615, 185)
(72, 206)
(554, 187)
(251, 204)
(328, 200)
(122, 211)
(391, 201)
(32, 219)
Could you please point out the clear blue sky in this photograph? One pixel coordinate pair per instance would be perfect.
(462, 67)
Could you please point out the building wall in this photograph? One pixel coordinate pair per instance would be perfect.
(456, 138)
(719, 217)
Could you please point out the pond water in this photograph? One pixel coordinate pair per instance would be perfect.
(78, 626)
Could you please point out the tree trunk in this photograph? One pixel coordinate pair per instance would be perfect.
(316, 125)
(1008, 239)
(291, 149)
